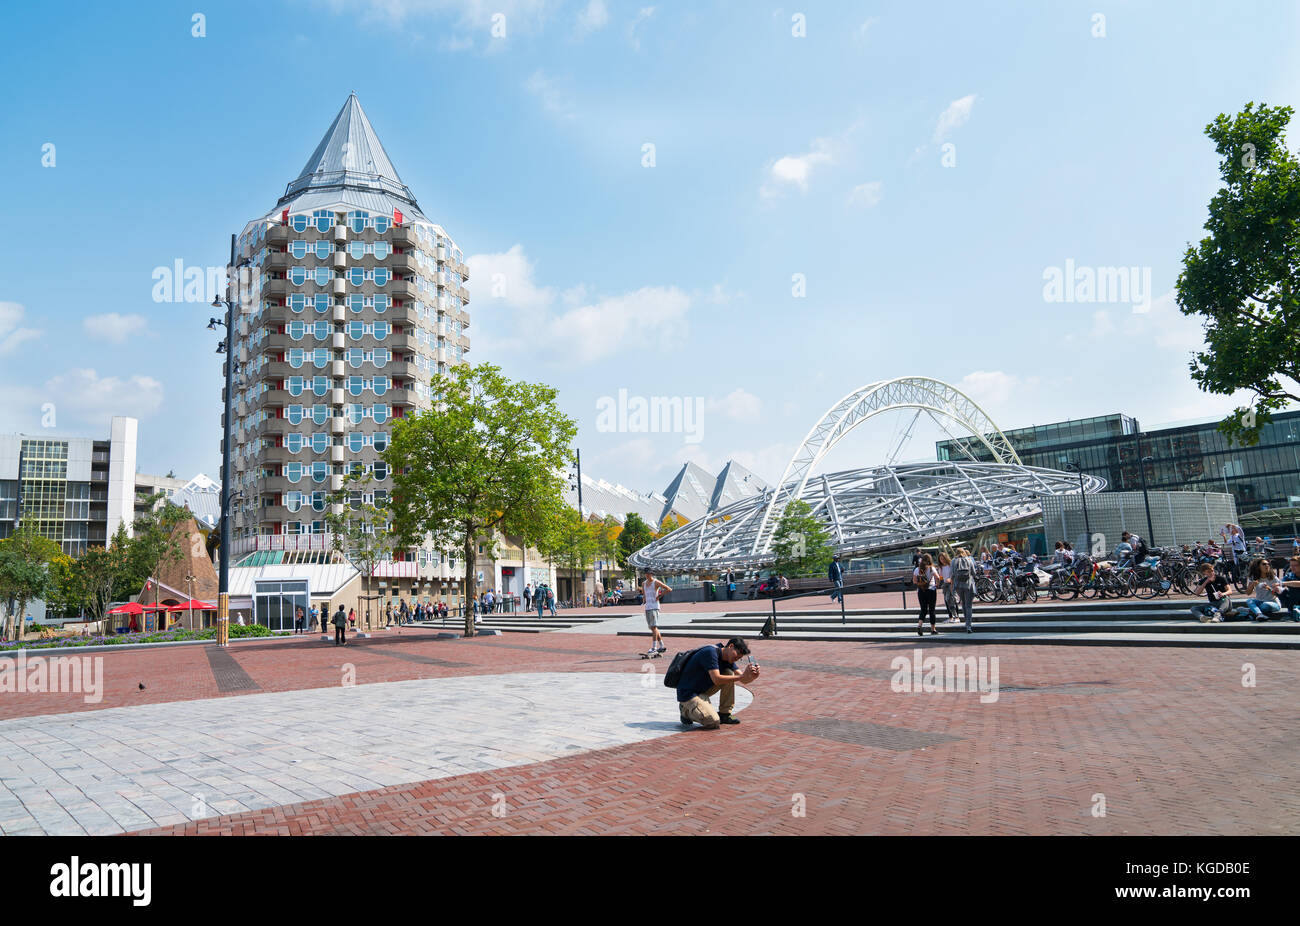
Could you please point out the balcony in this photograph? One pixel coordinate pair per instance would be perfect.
(402, 263)
(280, 369)
(277, 235)
(278, 260)
(402, 289)
(282, 455)
(403, 236)
(400, 397)
(277, 287)
(272, 427)
(274, 513)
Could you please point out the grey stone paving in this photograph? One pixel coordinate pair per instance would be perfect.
(128, 768)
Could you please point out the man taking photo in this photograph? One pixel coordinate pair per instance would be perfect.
(712, 670)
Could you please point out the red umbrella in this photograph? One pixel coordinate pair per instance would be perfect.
(131, 607)
(196, 604)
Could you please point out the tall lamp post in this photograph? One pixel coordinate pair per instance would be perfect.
(226, 347)
(576, 483)
(1087, 525)
(1146, 499)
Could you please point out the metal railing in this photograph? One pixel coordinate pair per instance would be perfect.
(883, 584)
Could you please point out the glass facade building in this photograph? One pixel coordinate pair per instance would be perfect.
(74, 491)
(1194, 457)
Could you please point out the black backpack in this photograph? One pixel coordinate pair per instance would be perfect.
(674, 673)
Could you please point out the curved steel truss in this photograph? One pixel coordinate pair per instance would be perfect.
(919, 392)
(869, 510)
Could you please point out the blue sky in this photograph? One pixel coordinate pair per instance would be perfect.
(820, 154)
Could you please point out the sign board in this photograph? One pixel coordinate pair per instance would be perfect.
(507, 570)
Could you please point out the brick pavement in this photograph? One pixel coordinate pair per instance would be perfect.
(1170, 738)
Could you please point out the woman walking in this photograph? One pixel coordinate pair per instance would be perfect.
(963, 583)
(927, 579)
(949, 602)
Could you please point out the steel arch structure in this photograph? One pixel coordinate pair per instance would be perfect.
(917, 392)
(870, 510)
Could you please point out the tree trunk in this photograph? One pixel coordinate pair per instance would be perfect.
(471, 583)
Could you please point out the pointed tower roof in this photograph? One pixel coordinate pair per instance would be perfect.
(349, 159)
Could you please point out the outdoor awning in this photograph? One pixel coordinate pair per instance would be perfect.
(195, 604)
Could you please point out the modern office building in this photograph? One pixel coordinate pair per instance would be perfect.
(1191, 457)
(74, 490)
(354, 300)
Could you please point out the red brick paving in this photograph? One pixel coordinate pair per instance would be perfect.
(1170, 737)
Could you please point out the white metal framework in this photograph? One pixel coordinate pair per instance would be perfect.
(879, 508)
(871, 510)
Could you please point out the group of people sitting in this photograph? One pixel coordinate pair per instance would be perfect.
(1269, 594)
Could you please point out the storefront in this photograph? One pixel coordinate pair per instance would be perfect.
(276, 602)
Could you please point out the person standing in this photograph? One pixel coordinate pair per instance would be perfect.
(945, 572)
(340, 627)
(963, 583)
(926, 578)
(550, 600)
(651, 592)
(528, 597)
(539, 599)
(315, 619)
(836, 574)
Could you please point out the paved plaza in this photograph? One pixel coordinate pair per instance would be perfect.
(570, 732)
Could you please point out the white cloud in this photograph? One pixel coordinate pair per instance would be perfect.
(507, 278)
(12, 334)
(794, 170)
(860, 33)
(955, 116)
(1173, 330)
(553, 98)
(594, 16)
(84, 395)
(738, 405)
(867, 195)
(112, 327)
(642, 15)
(991, 388)
(468, 14)
(82, 399)
(654, 315)
(1101, 323)
(586, 328)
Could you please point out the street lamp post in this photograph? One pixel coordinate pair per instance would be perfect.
(226, 347)
(1087, 524)
(1146, 499)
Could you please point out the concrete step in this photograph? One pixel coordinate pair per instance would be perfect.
(1062, 615)
(1162, 603)
(982, 636)
(837, 630)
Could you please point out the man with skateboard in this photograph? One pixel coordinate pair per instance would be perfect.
(651, 591)
(710, 670)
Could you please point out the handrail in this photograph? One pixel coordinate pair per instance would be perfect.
(901, 580)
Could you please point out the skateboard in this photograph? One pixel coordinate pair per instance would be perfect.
(653, 655)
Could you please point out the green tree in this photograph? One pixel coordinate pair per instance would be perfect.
(25, 558)
(668, 525)
(607, 532)
(487, 457)
(1243, 279)
(360, 529)
(635, 535)
(801, 542)
(98, 573)
(571, 542)
(155, 542)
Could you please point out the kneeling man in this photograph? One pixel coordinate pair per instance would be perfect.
(712, 669)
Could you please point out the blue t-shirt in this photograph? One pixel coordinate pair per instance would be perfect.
(695, 678)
